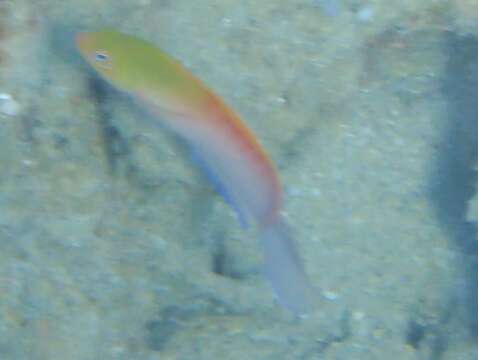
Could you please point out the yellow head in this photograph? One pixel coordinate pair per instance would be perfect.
(138, 67)
(125, 61)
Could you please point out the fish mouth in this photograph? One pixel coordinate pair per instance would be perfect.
(81, 40)
(84, 45)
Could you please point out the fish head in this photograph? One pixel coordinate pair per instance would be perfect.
(109, 53)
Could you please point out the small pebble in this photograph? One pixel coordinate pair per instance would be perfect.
(8, 106)
(358, 315)
(330, 295)
(281, 100)
(226, 21)
(365, 14)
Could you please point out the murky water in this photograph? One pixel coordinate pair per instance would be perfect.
(114, 246)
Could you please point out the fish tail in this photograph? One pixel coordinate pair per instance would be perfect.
(284, 270)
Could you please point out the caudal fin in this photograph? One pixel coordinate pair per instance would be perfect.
(284, 270)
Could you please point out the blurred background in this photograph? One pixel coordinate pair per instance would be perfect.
(113, 246)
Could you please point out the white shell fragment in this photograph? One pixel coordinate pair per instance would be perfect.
(365, 14)
(8, 105)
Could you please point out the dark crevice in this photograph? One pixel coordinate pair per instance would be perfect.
(223, 263)
(415, 333)
(114, 144)
(453, 180)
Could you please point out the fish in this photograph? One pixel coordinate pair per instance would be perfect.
(226, 149)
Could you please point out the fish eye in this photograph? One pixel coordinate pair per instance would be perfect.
(101, 56)
(102, 59)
